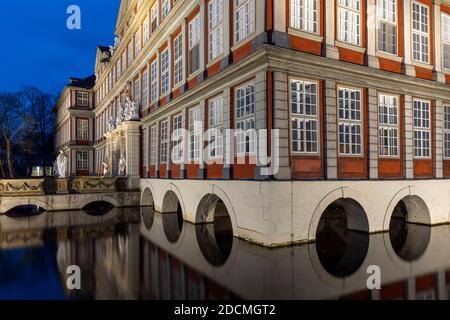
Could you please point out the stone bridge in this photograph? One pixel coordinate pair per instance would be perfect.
(52, 194)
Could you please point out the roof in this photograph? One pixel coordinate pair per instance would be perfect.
(86, 83)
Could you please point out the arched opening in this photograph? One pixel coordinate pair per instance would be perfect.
(409, 228)
(172, 217)
(215, 233)
(98, 208)
(147, 198)
(342, 237)
(25, 211)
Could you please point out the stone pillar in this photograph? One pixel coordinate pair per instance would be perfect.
(131, 132)
(409, 69)
(228, 140)
(260, 119)
(438, 139)
(331, 141)
(202, 170)
(330, 29)
(203, 35)
(91, 163)
(371, 34)
(408, 136)
(436, 14)
(373, 133)
(145, 150)
(281, 122)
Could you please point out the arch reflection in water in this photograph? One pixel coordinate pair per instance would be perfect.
(98, 208)
(25, 211)
(215, 233)
(409, 239)
(173, 225)
(148, 216)
(342, 238)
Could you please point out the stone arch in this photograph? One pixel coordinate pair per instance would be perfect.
(170, 202)
(347, 198)
(215, 231)
(147, 198)
(416, 206)
(28, 202)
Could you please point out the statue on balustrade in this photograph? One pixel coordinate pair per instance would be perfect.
(106, 172)
(122, 166)
(61, 165)
(120, 114)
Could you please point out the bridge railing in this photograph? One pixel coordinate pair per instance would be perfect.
(48, 186)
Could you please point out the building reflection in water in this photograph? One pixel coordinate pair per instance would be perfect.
(140, 254)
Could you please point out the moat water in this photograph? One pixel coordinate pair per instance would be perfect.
(137, 253)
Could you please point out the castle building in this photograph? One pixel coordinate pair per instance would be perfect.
(347, 91)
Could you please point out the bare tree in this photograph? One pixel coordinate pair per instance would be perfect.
(13, 124)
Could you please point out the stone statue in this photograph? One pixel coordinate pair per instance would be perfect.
(105, 169)
(120, 114)
(111, 123)
(131, 110)
(61, 165)
(113, 48)
(122, 166)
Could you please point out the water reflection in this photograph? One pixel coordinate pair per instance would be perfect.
(173, 225)
(129, 254)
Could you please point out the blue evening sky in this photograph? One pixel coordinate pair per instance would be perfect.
(39, 50)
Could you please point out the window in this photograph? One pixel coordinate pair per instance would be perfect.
(350, 122)
(387, 26)
(154, 84)
(82, 129)
(420, 32)
(388, 107)
(215, 22)
(178, 141)
(195, 133)
(194, 44)
(137, 42)
(178, 59)
(137, 90)
(130, 53)
(446, 41)
(305, 15)
(304, 116)
(165, 72)
(422, 130)
(154, 145)
(145, 89)
(82, 99)
(164, 148)
(124, 61)
(165, 8)
(349, 24)
(154, 16)
(244, 18)
(146, 30)
(215, 123)
(447, 132)
(82, 160)
(245, 119)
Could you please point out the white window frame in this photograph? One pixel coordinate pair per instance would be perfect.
(177, 139)
(421, 34)
(82, 160)
(244, 19)
(154, 17)
(154, 86)
(137, 42)
(146, 29)
(245, 115)
(82, 129)
(305, 15)
(165, 72)
(215, 29)
(165, 8)
(445, 40)
(446, 127)
(164, 142)
(82, 99)
(194, 33)
(389, 123)
(349, 31)
(422, 126)
(215, 127)
(304, 109)
(154, 146)
(350, 116)
(178, 59)
(145, 89)
(137, 90)
(130, 53)
(387, 14)
(195, 134)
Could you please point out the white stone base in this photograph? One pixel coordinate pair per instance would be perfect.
(282, 213)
